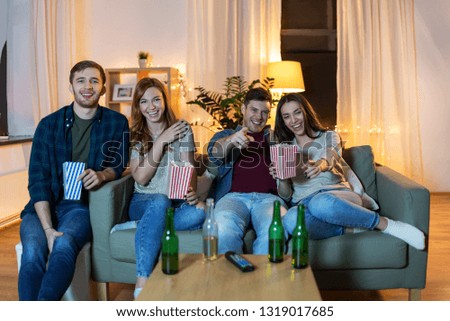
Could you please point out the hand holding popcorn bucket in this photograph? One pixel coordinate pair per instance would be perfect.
(180, 179)
(72, 187)
(283, 156)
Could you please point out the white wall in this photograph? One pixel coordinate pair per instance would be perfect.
(433, 64)
(3, 22)
(13, 158)
(13, 179)
(119, 29)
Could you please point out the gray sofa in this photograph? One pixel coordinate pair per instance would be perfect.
(364, 261)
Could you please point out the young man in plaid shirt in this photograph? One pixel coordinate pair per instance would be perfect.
(54, 230)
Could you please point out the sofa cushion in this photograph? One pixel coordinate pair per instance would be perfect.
(361, 161)
(190, 241)
(123, 246)
(366, 250)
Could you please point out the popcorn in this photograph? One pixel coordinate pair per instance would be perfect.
(283, 156)
(180, 179)
(72, 187)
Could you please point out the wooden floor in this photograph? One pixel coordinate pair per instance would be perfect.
(438, 276)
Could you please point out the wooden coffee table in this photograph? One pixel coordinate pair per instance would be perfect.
(221, 281)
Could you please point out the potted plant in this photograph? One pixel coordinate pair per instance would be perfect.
(143, 59)
(225, 107)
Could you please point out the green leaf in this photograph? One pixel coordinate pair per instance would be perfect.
(225, 107)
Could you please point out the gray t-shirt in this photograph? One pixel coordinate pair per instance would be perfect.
(326, 146)
(159, 184)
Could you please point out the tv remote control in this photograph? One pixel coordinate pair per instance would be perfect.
(239, 261)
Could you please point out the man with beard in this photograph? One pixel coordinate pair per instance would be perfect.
(245, 190)
(54, 230)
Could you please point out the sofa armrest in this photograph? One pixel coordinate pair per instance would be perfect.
(402, 199)
(107, 206)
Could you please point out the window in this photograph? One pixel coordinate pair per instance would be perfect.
(308, 35)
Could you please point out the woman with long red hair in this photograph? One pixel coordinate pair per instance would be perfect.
(157, 139)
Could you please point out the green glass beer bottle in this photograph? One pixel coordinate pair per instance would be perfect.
(300, 241)
(276, 236)
(169, 246)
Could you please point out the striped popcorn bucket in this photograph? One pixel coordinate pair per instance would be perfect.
(283, 156)
(180, 179)
(72, 188)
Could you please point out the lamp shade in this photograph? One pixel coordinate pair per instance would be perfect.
(288, 76)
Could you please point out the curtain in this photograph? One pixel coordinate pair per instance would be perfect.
(45, 33)
(227, 38)
(231, 38)
(377, 82)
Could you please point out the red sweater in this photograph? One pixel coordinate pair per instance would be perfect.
(251, 170)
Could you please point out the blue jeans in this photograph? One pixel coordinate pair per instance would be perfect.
(47, 277)
(236, 211)
(329, 212)
(150, 211)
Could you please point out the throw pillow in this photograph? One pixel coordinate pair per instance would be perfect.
(361, 161)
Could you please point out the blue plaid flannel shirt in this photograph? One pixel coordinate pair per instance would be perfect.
(52, 146)
(223, 167)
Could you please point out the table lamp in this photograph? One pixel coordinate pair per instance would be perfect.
(288, 77)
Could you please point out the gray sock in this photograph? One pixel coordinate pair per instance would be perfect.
(406, 232)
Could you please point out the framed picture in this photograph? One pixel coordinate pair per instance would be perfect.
(123, 92)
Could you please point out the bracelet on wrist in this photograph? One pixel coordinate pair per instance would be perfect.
(48, 228)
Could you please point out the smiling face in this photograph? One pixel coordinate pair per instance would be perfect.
(255, 115)
(294, 118)
(152, 105)
(87, 87)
